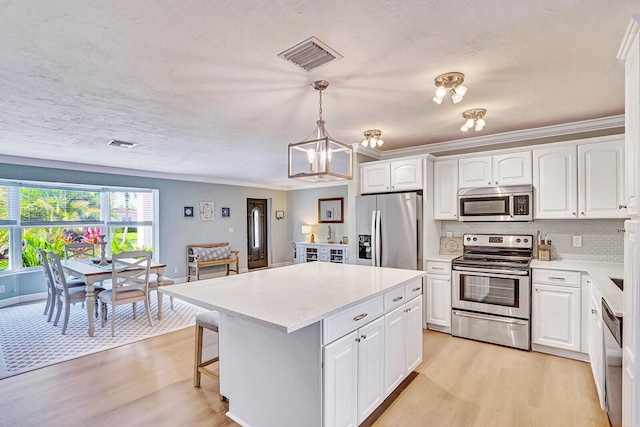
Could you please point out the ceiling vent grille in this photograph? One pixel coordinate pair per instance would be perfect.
(121, 144)
(310, 54)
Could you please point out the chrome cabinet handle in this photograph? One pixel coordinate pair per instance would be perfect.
(489, 183)
(437, 268)
(415, 289)
(621, 206)
(562, 279)
(581, 213)
(396, 299)
(364, 337)
(360, 317)
(593, 311)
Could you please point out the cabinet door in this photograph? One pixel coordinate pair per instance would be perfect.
(376, 178)
(596, 340)
(512, 169)
(341, 382)
(406, 174)
(445, 189)
(475, 172)
(632, 129)
(370, 368)
(438, 300)
(601, 179)
(631, 303)
(556, 316)
(394, 348)
(555, 182)
(414, 334)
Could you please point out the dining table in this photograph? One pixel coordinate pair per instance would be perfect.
(90, 271)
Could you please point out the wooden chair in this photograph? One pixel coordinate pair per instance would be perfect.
(129, 284)
(208, 320)
(65, 294)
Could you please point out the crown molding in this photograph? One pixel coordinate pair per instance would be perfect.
(510, 137)
(359, 148)
(630, 35)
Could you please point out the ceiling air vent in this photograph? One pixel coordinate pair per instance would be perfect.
(310, 54)
(121, 144)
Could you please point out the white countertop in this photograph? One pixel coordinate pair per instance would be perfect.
(441, 257)
(292, 297)
(600, 273)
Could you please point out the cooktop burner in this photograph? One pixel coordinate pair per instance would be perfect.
(496, 250)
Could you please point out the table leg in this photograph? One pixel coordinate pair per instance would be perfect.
(159, 272)
(90, 304)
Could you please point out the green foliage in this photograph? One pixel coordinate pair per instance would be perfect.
(4, 248)
(49, 239)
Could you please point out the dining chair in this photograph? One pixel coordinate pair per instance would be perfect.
(153, 286)
(51, 286)
(65, 294)
(79, 250)
(129, 284)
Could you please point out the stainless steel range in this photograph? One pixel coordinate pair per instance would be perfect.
(491, 292)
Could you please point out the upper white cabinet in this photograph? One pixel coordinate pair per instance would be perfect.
(393, 175)
(601, 179)
(445, 189)
(630, 52)
(497, 170)
(583, 180)
(555, 182)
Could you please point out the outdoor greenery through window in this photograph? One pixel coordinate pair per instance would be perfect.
(49, 216)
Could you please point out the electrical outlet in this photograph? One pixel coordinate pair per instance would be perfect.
(2, 289)
(230, 229)
(175, 270)
(449, 234)
(577, 241)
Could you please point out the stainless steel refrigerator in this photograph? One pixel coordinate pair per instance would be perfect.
(389, 230)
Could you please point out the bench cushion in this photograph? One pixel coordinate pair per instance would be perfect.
(212, 254)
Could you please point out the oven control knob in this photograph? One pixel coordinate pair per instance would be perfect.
(468, 239)
(518, 240)
(526, 240)
(475, 239)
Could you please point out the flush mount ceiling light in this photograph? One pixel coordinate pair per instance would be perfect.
(320, 158)
(372, 138)
(121, 144)
(450, 83)
(474, 118)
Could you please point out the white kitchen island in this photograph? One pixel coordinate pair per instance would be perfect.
(293, 351)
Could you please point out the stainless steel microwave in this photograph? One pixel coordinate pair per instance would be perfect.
(508, 203)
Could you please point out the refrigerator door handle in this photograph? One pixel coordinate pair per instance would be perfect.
(373, 238)
(378, 243)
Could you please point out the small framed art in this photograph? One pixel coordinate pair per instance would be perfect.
(225, 212)
(187, 211)
(207, 210)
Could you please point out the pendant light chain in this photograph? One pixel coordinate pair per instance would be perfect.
(320, 103)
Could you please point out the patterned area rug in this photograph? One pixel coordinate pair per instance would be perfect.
(28, 341)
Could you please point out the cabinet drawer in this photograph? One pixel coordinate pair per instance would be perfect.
(413, 289)
(351, 319)
(394, 298)
(557, 277)
(439, 267)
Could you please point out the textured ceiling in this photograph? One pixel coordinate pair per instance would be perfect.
(199, 87)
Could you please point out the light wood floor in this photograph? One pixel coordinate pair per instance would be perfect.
(460, 383)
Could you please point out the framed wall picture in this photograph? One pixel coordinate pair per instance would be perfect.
(279, 214)
(207, 211)
(187, 211)
(331, 210)
(225, 212)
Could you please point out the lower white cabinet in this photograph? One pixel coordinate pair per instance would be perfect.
(596, 339)
(556, 315)
(437, 296)
(323, 252)
(364, 366)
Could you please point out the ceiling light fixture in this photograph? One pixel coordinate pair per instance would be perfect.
(450, 83)
(372, 138)
(320, 158)
(474, 118)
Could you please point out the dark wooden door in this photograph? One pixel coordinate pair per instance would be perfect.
(257, 233)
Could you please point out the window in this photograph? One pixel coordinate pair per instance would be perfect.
(48, 216)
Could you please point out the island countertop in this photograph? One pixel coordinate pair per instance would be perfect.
(292, 297)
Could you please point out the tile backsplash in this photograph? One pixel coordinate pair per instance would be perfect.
(602, 240)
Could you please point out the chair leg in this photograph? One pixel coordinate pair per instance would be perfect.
(198, 358)
(67, 308)
(171, 303)
(103, 313)
(134, 311)
(59, 304)
(46, 307)
(147, 306)
(52, 307)
(113, 320)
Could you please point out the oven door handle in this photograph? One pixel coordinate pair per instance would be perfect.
(492, 271)
(491, 318)
(511, 206)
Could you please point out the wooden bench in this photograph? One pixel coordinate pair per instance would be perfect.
(196, 260)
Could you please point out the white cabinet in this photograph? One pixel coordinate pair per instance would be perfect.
(601, 189)
(555, 182)
(371, 352)
(445, 189)
(580, 180)
(341, 381)
(496, 170)
(596, 338)
(393, 175)
(630, 53)
(323, 252)
(395, 349)
(413, 351)
(556, 315)
(437, 296)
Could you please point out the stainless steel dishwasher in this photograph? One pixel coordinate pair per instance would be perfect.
(613, 363)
